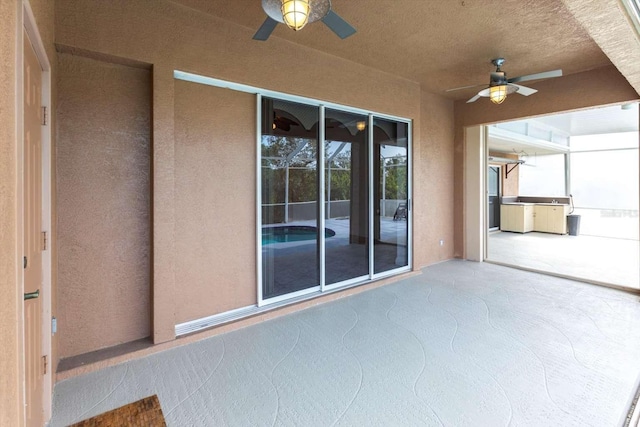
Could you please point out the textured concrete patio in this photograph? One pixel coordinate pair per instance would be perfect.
(462, 344)
(599, 259)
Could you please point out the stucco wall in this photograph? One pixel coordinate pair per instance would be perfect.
(103, 207)
(169, 37)
(10, 368)
(215, 138)
(433, 181)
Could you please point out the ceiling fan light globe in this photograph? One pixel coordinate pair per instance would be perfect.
(295, 13)
(497, 94)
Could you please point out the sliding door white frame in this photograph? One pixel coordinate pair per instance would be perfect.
(322, 105)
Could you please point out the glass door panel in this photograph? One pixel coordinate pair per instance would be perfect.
(391, 195)
(347, 196)
(493, 189)
(289, 199)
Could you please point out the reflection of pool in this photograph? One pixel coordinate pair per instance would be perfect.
(292, 233)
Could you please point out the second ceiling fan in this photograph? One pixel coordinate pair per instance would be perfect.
(500, 86)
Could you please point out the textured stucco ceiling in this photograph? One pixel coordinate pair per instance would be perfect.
(447, 44)
(611, 27)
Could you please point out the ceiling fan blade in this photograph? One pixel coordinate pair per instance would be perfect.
(265, 29)
(537, 76)
(338, 25)
(523, 90)
(465, 87)
(474, 99)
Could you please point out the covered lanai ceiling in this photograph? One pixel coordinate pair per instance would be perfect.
(448, 44)
(614, 119)
(596, 121)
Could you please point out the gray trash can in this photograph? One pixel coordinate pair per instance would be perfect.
(573, 224)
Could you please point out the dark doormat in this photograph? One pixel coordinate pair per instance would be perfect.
(145, 412)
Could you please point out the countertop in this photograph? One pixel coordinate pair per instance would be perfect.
(534, 204)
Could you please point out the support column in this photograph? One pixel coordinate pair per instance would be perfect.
(475, 193)
(163, 173)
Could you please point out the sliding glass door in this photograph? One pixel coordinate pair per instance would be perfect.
(289, 200)
(391, 194)
(332, 214)
(347, 195)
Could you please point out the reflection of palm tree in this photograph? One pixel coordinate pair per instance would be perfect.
(338, 170)
(395, 177)
(292, 165)
(280, 151)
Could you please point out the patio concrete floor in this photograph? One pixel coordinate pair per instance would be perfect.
(599, 259)
(461, 344)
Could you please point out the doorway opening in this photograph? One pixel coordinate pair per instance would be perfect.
(573, 209)
(35, 171)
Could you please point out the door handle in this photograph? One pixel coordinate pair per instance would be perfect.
(32, 295)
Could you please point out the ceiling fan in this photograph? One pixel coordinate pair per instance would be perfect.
(499, 86)
(283, 123)
(297, 13)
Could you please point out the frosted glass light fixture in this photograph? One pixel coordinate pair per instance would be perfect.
(295, 13)
(498, 94)
(361, 125)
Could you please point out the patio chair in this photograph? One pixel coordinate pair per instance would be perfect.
(401, 212)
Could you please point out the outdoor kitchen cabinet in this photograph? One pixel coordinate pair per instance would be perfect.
(526, 217)
(517, 217)
(551, 218)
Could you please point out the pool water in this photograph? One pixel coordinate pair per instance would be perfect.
(292, 233)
